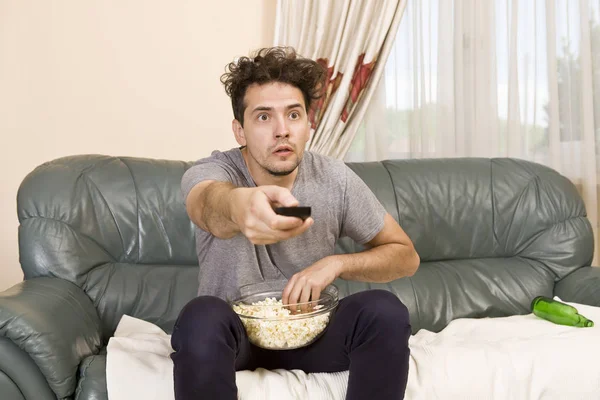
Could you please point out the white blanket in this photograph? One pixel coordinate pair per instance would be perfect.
(517, 357)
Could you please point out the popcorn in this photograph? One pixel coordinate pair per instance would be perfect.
(279, 333)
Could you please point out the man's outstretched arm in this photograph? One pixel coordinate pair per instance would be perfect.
(208, 205)
(225, 210)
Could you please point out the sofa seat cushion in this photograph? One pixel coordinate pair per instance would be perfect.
(91, 377)
(516, 357)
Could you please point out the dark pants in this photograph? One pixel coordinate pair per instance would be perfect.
(367, 335)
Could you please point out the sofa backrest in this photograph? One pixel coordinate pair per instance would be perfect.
(491, 234)
(116, 227)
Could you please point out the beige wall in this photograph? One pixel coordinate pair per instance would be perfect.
(126, 77)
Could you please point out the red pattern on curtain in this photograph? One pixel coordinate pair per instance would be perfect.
(318, 107)
(360, 78)
(362, 73)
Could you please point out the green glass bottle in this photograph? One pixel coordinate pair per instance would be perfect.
(559, 313)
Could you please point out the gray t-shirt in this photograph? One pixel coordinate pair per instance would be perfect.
(342, 205)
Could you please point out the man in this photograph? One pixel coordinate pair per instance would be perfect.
(230, 197)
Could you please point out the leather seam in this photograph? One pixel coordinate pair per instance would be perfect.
(163, 231)
(493, 205)
(83, 377)
(89, 180)
(137, 206)
(111, 271)
(384, 165)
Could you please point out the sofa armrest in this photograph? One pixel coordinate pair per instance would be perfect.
(581, 286)
(23, 373)
(54, 322)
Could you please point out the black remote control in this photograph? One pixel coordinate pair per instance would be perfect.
(300, 212)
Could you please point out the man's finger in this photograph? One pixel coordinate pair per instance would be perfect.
(276, 235)
(260, 233)
(305, 297)
(265, 213)
(285, 295)
(278, 194)
(295, 297)
(283, 223)
(315, 296)
(282, 235)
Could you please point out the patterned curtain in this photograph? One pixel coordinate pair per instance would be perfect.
(352, 40)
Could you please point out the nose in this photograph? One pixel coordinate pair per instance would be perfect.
(281, 129)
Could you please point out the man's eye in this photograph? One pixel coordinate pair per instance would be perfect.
(263, 117)
(295, 115)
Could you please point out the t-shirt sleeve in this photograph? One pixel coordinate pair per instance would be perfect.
(364, 215)
(206, 169)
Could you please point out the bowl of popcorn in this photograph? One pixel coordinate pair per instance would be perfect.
(272, 325)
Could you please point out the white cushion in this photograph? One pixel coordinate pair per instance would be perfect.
(511, 358)
(517, 357)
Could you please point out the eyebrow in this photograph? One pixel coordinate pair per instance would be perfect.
(264, 108)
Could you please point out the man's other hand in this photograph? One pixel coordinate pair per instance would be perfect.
(306, 286)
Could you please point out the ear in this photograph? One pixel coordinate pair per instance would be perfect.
(238, 132)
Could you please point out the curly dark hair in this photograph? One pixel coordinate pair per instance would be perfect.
(274, 64)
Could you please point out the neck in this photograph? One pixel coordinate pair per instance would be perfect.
(262, 177)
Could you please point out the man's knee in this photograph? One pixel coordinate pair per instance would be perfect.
(202, 315)
(202, 334)
(384, 308)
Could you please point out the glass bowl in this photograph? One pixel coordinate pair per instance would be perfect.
(270, 325)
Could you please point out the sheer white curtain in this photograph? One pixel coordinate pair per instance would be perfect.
(514, 78)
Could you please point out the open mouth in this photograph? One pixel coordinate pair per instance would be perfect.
(283, 151)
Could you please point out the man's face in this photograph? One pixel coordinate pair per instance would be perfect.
(275, 127)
